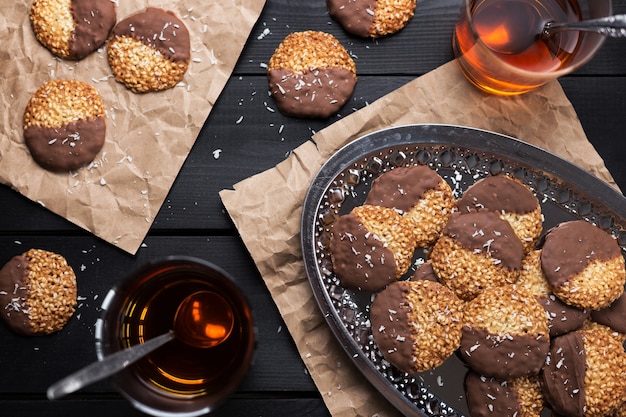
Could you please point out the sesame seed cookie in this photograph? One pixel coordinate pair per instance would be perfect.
(583, 265)
(370, 247)
(562, 318)
(420, 194)
(512, 200)
(520, 397)
(476, 251)
(585, 374)
(416, 324)
(72, 29)
(37, 292)
(149, 50)
(64, 125)
(372, 18)
(311, 75)
(505, 333)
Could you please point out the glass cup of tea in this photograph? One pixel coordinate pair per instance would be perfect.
(176, 379)
(499, 46)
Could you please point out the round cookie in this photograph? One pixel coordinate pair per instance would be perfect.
(64, 125)
(512, 200)
(72, 29)
(585, 374)
(520, 397)
(370, 247)
(371, 18)
(420, 194)
(149, 50)
(37, 292)
(505, 333)
(416, 324)
(562, 318)
(583, 265)
(311, 75)
(476, 251)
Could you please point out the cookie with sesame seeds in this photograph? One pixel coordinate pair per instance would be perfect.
(510, 198)
(585, 373)
(519, 397)
(562, 317)
(420, 194)
(416, 324)
(64, 125)
(372, 18)
(37, 292)
(72, 29)
(371, 247)
(583, 265)
(149, 50)
(476, 251)
(505, 333)
(311, 75)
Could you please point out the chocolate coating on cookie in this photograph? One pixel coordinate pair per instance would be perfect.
(371, 18)
(64, 125)
(311, 75)
(493, 397)
(149, 50)
(613, 316)
(360, 258)
(72, 29)
(583, 264)
(37, 292)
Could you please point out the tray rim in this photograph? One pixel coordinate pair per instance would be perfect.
(464, 136)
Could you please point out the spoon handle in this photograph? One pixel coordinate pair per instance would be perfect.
(106, 367)
(612, 26)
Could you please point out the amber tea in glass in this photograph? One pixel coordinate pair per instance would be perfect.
(500, 48)
(176, 378)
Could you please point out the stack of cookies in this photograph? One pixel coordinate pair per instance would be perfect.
(538, 318)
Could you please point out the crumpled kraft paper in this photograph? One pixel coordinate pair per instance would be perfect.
(266, 208)
(148, 136)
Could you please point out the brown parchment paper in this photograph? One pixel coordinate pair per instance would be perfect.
(270, 226)
(148, 136)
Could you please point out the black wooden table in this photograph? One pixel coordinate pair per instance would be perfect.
(244, 135)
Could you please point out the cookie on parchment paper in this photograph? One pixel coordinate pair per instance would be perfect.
(37, 292)
(371, 18)
(416, 324)
(64, 125)
(72, 29)
(149, 50)
(311, 75)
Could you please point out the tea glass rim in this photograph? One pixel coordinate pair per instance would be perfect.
(99, 333)
(600, 39)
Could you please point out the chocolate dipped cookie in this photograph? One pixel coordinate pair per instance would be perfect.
(512, 200)
(64, 125)
(505, 333)
(583, 265)
(371, 247)
(420, 194)
(416, 324)
(476, 251)
(37, 292)
(371, 18)
(311, 75)
(72, 29)
(491, 397)
(149, 50)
